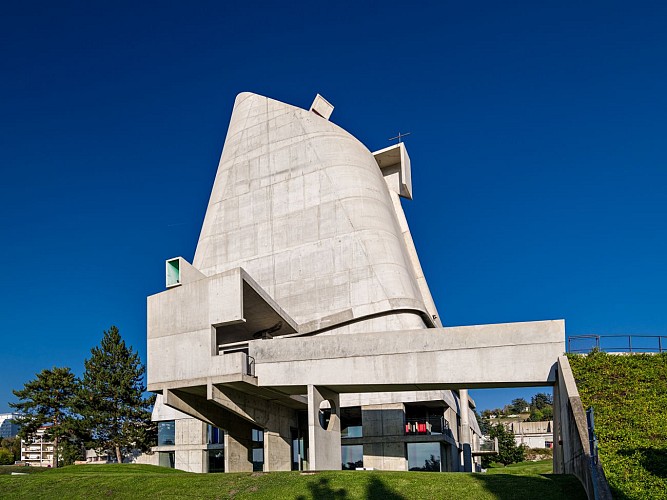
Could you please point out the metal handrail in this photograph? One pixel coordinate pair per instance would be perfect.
(660, 343)
(250, 365)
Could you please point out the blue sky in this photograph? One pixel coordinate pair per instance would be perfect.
(537, 143)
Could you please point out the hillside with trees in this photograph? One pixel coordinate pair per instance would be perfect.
(540, 408)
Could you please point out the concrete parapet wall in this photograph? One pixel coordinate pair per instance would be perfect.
(439, 358)
(572, 452)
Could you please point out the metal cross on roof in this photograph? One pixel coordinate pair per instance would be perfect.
(399, 136)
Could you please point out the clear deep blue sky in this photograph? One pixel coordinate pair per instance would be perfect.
(538, 150)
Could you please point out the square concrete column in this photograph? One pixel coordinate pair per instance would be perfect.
(237, 447)
(277, 451)
(558, 465)
(324, 451)
(466, 445)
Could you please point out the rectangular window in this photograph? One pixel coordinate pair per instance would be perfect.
(216, 461)
(257, 451)
(166, 432)
(424, 457)
(215, 435)
(350, 422)
(167, 459)
(353, 456)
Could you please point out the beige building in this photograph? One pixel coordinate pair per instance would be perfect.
(38, 451)
(532, 434)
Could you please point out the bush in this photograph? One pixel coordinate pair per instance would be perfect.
(539, 453)
(6, 457)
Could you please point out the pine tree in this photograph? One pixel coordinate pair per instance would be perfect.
(112, 402)
(47, 400)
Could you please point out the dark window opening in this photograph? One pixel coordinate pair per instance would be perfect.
(166, 432)
(257, 450)
(350, 422)
(216, 461)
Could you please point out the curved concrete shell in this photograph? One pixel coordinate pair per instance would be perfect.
(303, 207)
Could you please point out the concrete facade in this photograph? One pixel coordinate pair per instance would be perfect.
(532, 434)
(306, 302)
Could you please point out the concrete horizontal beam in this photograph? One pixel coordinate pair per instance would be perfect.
(502, 355)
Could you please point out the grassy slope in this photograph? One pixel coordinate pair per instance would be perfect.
(539, 467)
(629, 395)
(132, 481)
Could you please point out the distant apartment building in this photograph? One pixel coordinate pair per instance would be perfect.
(532, 434)
(38, 451)
(8, 428)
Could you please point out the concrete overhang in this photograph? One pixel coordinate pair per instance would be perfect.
(190, 324)
(482, 356)
(394, 163)
(263, 318)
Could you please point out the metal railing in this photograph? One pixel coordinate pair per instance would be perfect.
(583, 344)
(250, 365)
(489, 445)
(592, 438)
(426, 425)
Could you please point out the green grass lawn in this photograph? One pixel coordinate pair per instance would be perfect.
(144, 481)
(629, 396)
(539, 467)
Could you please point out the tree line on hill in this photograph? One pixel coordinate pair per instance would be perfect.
(105, 410)
(539, 409)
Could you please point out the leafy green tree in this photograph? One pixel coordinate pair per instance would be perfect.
(6, 457)
(47, 400)
(13, 445)
(518, 405)
(112, 401)
(541, 407)
(483, 422)
(508, 451)
(541, 400)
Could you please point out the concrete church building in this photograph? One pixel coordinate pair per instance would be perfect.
(305, 328)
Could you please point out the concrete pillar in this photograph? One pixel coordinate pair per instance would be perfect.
(277, 451)
(385, 421)
(238, 444)
(237, 449)
(323, 444)
(465, 441)
(558, 465)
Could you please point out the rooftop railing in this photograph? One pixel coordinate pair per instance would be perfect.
(583, 344)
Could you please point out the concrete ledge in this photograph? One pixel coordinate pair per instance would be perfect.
(440, 358)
